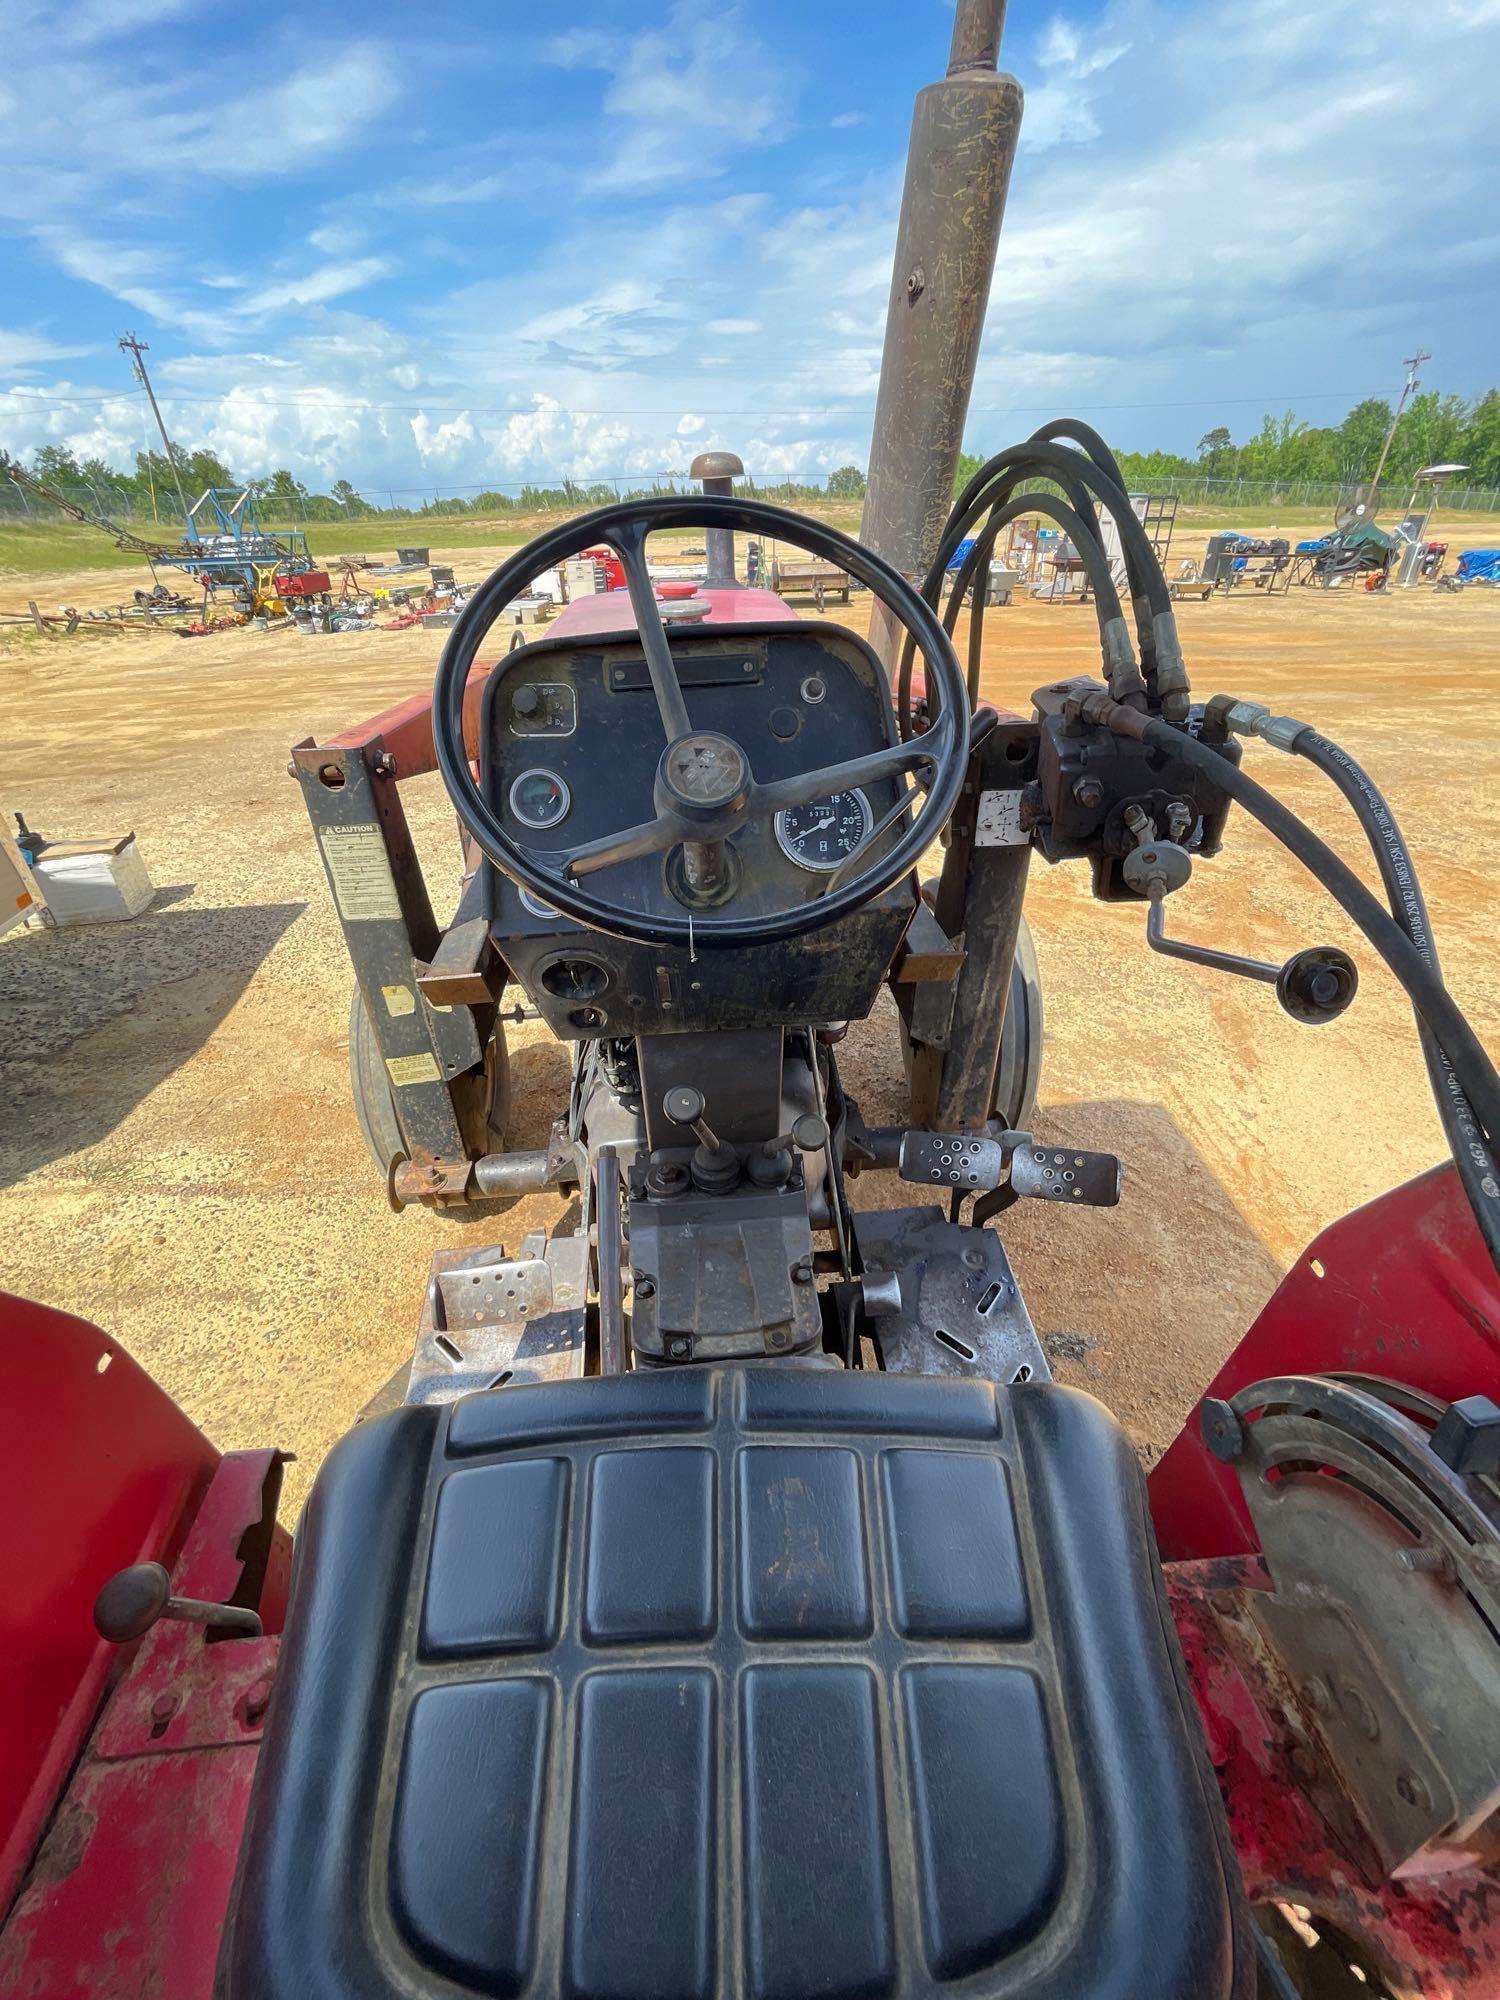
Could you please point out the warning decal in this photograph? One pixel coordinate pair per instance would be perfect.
(413, 1069)
(363, 886)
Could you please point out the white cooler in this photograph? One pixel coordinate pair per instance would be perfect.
(93, 881)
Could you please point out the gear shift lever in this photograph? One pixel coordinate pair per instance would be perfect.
(133, 1599)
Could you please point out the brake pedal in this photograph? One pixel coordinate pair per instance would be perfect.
(1013, 1161)
(948, 1159)
(1055, 1173)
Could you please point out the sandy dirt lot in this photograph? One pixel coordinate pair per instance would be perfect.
(179, 1159)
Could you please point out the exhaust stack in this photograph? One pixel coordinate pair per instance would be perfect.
(963, 143)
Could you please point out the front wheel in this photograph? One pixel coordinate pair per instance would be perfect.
(1018, 1073)
(375, 1098)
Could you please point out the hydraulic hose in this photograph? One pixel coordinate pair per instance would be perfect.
(1120, 669)
(1472, 1147)
(1155, 620)
(1434, 1004)
(1087, 438)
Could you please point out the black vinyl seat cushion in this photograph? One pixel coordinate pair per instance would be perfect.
(760, 1682)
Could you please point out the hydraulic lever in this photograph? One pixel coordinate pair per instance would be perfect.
(1315, 984)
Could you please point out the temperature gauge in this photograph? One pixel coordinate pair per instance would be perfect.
(539, 799)
(822, 836)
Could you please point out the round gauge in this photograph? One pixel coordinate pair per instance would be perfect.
(822, 836)
(539, 798)
(535, 904)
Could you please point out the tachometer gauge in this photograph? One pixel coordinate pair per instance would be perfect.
(539, 799)
(823, 836)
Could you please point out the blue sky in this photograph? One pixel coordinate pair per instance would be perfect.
(484, 244)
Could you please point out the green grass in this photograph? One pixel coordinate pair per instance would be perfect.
(31, 548)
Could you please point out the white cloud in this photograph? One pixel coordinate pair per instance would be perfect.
(1196, 215)
(844, 119)
(681, 97)
(314, 288)
(21, 350)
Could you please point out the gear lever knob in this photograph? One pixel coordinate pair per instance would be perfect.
(133, 1599)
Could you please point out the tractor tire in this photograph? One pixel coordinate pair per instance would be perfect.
(1018, 1074)
(375, 1098)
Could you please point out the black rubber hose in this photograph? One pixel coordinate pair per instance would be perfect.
(1431, 999)
(1084, 435)
(1157, 627)
(1109, 611)
(996, 493)
(1472, 1147)
(1088, 439)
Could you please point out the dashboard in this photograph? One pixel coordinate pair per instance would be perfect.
(570, 740)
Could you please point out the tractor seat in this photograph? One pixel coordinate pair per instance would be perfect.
(724, 1682)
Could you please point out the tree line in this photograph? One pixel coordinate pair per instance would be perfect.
(1434, 429)
(150, 491)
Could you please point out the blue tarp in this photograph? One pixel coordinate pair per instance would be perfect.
(960, 554)
(1479, 566)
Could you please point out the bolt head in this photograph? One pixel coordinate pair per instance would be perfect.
(164, 1708)
(1089, 793)
(1412, 1789)
(1318, 1695)
(1222, 1430)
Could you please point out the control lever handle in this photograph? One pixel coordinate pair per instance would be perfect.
(809, 1134)
(133, 1599)
(684, 1105)
(1315, 985)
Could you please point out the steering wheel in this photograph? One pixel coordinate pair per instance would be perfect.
(705, 790)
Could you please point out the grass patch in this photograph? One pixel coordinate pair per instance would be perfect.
(35, 547)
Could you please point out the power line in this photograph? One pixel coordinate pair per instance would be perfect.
(41, 396)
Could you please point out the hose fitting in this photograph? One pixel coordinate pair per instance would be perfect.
(1253, 718)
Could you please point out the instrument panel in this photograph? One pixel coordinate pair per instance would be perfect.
(570, 740)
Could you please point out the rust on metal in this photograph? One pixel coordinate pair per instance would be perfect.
(1295, 1835)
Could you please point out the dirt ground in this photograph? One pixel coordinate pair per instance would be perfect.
(179, 1159)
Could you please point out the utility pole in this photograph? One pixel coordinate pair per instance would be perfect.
(1411, 364)
(130, 345)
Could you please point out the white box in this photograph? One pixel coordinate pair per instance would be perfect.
(93, 881)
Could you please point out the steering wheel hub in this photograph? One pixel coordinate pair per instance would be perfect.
(704, 773)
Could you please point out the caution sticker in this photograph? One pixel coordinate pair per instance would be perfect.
(363, 886)
(413, 1069)
(399, 1000)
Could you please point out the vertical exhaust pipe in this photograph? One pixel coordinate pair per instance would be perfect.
(718, 471)
(963, 144)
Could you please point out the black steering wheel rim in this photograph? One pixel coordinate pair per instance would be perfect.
(946, 739)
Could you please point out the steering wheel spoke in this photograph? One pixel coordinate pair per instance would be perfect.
(629, 541)
(809, 786)
(654, 836)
